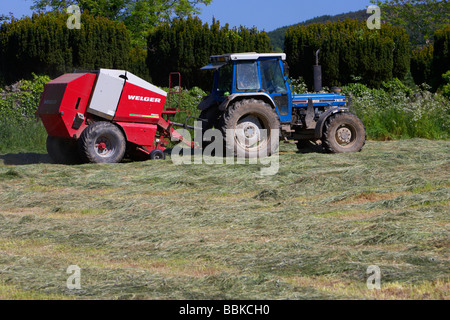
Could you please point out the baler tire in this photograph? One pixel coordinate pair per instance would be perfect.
(157, 154)
(63, 150)
(256, 115)
(344, 133)
(102, 142)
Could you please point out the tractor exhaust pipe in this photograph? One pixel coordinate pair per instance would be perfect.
(317, 74)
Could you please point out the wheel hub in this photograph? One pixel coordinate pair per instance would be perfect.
(103, 147)
(248, 132)
(344, 135)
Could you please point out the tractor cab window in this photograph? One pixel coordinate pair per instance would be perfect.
(272, 78)
(247, 76)
(225, 82)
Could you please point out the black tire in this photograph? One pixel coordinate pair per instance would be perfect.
(245, 121)
(102, 142)
(63, 150)
(157, 154)
(343, 133)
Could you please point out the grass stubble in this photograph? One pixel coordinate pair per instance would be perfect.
(155, 230)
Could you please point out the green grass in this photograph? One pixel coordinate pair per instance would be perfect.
(154, 230)
(400, 112)
(26, 135)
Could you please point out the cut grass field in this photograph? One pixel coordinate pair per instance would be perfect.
(155, 230)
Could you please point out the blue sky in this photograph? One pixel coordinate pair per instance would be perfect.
(264, 14)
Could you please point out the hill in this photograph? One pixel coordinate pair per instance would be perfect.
(277, 36)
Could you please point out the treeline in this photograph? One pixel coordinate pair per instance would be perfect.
(186, 45)
(44, 44)
(277, 36)
(431, 61)
(349, 52)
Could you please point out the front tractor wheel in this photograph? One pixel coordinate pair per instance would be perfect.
(343, 133)
(102, 142)
(251, 129)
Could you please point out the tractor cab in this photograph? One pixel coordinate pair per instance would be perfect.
(252, 73)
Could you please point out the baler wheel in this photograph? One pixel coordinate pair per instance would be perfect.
(344, 132)
(63, 150)
(157, 154)
(102, 142)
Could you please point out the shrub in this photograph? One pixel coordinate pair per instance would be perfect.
(396, 111)
(348, 49)
(137, 63)
(421, 64)
(189, 102)
(185, 46)
(446, 86)
(299, 85)
(21, 99)
(441, 57)
(43, 44)
(20, 131)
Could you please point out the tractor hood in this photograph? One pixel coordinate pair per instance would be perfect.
(319, 99)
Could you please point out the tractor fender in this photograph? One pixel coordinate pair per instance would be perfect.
(207, 103)
(241, 96)
(324, 117)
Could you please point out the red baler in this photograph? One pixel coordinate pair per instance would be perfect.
(102, 115)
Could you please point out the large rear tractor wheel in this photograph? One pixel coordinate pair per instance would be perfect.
(63, 150)
(343, 133)
(251, 129)
(102, 142)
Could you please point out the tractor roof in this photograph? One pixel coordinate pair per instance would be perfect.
(219, 61)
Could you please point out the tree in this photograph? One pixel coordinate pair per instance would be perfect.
(421, 64)
(441, 55)
(185, 45)
(110, 9)
(348, 50)
(139, 16)
(419, 17)
(43, 44)
(5, 18)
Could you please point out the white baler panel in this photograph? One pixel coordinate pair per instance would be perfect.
(107, 92)
(131, 78)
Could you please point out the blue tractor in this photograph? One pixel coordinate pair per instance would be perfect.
(252, 93)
